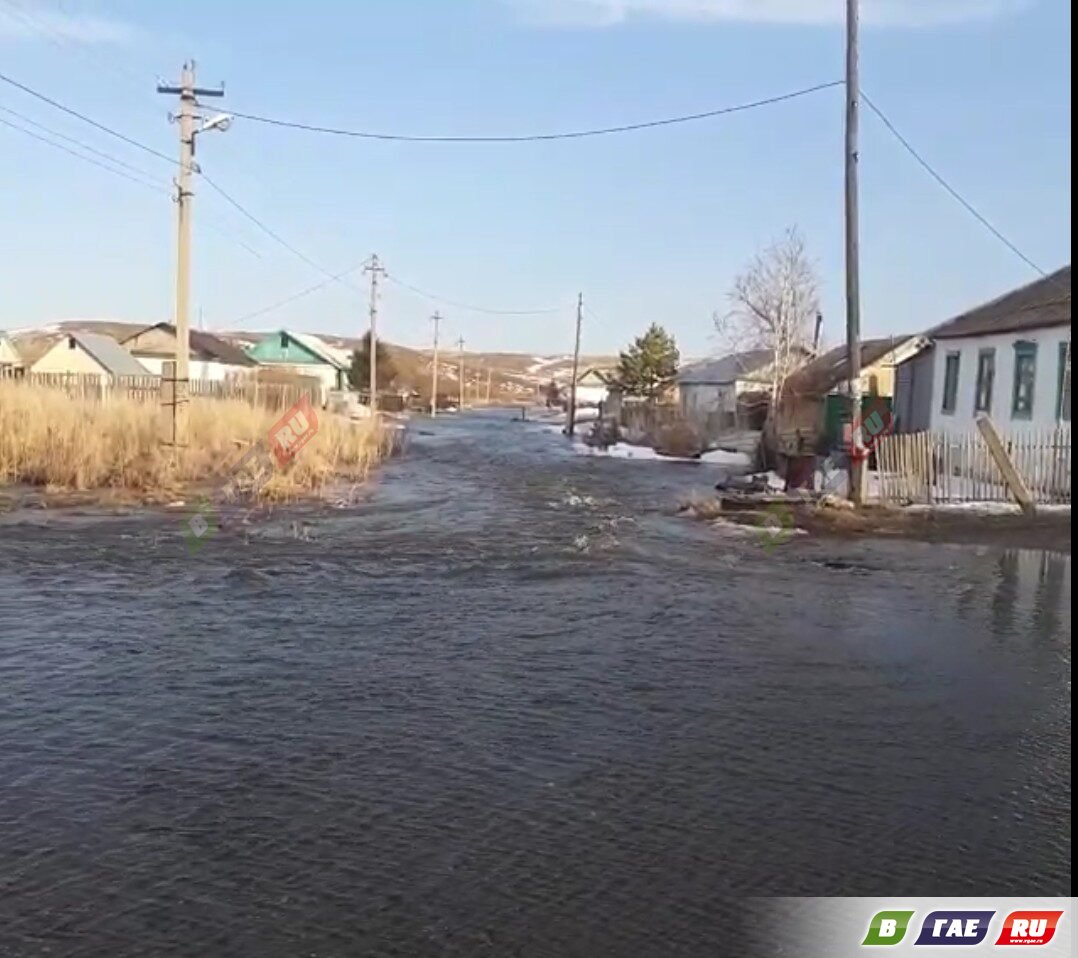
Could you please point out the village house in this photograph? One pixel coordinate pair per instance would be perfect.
(1008, 359)
(210, 357)
(10, 360)
(728, 393)
(303, 354)
(90, 355)
(592, 387)
(814, 405)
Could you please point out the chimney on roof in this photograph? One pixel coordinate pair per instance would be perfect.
(816, 334)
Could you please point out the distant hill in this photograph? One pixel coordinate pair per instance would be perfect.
(511, 375)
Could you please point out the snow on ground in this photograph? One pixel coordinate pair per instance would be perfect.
(989, 508)
(722, 457)
(624, 450)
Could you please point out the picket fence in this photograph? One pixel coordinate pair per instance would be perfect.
(934, 467)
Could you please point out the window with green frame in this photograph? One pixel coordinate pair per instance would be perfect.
(1063, 393)
(950, 381)
(1025, 380)
(986, 378)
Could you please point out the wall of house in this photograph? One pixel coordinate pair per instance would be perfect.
(62, 358)
(198, 369)
(1046, 383)
(913, 393)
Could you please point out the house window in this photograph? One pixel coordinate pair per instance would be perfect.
(986, 377)
(1025, 379)
(950, 382)
(1063, 396)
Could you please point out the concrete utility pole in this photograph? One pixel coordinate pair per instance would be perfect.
(375, 269)
(437, 320)
(490, 378)
(570, 426)
(858, 458)
(460, 345)
(188, 93)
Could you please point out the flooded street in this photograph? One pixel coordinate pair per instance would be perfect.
(509, 704)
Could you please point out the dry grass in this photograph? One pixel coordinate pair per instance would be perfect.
(50, 439)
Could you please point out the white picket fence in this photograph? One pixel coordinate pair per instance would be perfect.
(933, 467)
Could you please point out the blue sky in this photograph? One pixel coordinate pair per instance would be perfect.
(651, 225)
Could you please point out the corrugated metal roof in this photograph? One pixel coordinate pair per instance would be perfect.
(1044, 302)
(207, 344)
(333, 356)
(825, 372)
(711, 372)
(110, 355)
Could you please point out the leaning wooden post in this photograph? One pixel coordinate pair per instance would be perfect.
(1011, 475)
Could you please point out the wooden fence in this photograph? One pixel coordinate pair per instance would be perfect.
(272, 395)
(932, 467)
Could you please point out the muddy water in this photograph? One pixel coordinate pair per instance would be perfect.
(506, 704)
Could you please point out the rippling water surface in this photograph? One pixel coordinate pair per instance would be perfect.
(508, 705)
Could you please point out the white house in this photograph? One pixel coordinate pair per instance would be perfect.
(715, 384)
(1009, 359)
(592, 387)
(209, 356)
(89, 354)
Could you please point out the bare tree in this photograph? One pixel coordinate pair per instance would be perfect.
(773, 305)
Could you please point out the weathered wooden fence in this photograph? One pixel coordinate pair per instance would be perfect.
(272, 395)
(933, 467)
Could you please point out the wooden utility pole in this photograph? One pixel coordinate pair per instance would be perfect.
(858, 459)
(460, 344)
(570, 426)
(375, 269)
(436, 319)
(188, 93)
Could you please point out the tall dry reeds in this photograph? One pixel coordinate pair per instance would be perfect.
(48, 438)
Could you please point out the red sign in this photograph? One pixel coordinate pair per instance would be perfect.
(293, 431)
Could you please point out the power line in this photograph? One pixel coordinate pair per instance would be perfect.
(109, 169)
(533, 137)
(232, 201)
(434, 298)
(79, 143)
(86, 159)
(300, 294)
(85, 119)
(938, 177)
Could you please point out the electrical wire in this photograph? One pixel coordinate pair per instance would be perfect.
(232, 201)
(302, 293)
(87, 159)
(434, 298)
(85, 119)
(938, 177)
(537, 137)
(79, 143)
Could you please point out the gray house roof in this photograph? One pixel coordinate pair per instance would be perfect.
(749, 364)
(116, 360)
(1044, 302)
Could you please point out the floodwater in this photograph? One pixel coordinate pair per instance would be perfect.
(508, 704)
